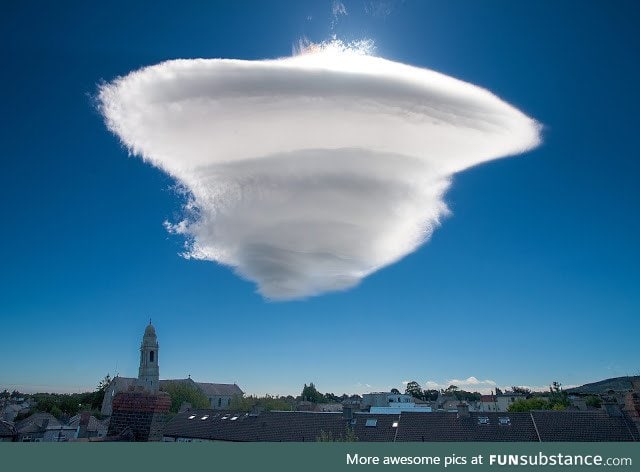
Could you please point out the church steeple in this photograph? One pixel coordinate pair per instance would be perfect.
(149, 372)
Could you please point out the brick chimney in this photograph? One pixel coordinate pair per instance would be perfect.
(463, 410)
(347, 412)
(83, 426)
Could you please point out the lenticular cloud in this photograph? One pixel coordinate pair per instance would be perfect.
(306, 174)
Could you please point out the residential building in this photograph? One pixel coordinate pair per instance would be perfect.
(276, 426)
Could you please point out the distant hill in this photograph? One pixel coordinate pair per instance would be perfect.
(617, 384)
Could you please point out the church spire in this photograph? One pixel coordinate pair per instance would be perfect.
(149, 371)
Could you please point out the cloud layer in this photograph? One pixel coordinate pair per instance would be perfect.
(308, 173)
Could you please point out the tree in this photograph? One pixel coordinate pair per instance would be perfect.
(311, 394)
(529, 404)
(104, 383)
(331, 398)
(266, 403)
(395, 391)
(413, 388)
(594, 401)
(558, 398)
(181, 392)
(430, 395)
(522, 390)
(451, 390)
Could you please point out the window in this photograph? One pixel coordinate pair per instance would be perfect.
(483, 420)
(228, 401)
(151, 355)
(219, 401)
(192, 417)
(395, 424)
(504, 421)
(204, 417)
(371, 422)
(233, 418)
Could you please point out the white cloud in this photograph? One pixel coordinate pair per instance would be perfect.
(470, 384)
(308, 173)
(379, 8)
(338, 9)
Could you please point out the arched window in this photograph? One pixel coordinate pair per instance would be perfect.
(151, 354)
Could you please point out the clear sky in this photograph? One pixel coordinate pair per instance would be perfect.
(533, 278)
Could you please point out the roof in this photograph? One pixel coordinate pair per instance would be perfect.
(36, 422)
(6, 429)
(94, 423)
(583, 426)
(446, 426)
(122, 383)
(302, 426)
(219, 389)
(276, 426)
(150, 330)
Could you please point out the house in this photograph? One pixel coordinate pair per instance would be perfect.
(499, 402)
(34, 427)
(59, 433)
(88, 426)
(278, 426)
(384, 399)
(219, 395)
(8, 432)
(12, 408)
(298, 426)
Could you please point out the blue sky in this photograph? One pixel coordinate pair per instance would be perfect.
(533, 278)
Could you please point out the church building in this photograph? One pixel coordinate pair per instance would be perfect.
(219, 395)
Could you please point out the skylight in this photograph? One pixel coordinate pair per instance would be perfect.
(395, 424)
(234, 418)
(504, 420)
(371, 422)
(192, 417)
(483, 420)
(204, 417)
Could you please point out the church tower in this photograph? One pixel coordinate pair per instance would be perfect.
(149, 372)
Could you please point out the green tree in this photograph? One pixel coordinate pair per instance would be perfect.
(311, 394)
(594, 401)
(395, 391)
(558, 398)
(181, 392)
(104, 383)
(413, 388)
(266, 403)
(430, 395)
(535, 403)
(522, 390)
